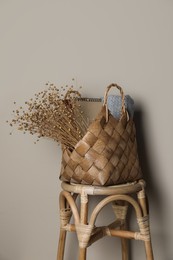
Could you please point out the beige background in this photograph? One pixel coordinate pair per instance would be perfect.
(95, 42)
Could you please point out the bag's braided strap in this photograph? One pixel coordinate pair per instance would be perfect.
(83, 233)
(144, 229)
(65, 215)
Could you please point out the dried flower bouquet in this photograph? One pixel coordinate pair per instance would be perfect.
(53, 113)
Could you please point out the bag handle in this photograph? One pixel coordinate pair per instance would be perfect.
(123, 108)
(70, 91)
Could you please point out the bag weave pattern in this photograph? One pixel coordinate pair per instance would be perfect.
(106, 155)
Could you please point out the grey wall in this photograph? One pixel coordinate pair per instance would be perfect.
(95, 42)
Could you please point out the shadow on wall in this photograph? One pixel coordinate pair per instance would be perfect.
(148, 172)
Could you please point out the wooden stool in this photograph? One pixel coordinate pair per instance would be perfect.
(121, 196)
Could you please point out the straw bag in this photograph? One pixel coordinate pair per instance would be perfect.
(107, 154)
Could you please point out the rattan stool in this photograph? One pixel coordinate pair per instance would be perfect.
(121, 196)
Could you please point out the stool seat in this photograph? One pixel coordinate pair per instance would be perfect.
(121, 197)
(130, 187)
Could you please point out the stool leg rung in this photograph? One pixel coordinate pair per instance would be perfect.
(100, 232)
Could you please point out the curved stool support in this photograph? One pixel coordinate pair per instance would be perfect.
(66, 195)
(111, 199)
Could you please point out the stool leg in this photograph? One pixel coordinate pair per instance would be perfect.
(65, 215)
(143, 204)
(120, 210)
(124, 244)
(149, 251)
(61, 245)
(83, 220)
(82, 253)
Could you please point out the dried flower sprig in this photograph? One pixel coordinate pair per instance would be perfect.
(53, 113)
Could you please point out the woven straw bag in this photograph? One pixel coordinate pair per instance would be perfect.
(107, 154)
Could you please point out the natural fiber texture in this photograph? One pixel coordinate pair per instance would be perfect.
(120, 211)
(83, 233)
(144, 229)
(65, 215)
(107, 154)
